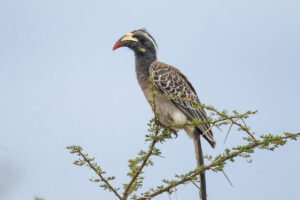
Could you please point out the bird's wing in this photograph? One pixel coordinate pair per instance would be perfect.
(171, 81)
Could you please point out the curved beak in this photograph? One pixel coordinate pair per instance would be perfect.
(124, 40)
(118, 44)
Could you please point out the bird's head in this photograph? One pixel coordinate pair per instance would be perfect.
(140, 41)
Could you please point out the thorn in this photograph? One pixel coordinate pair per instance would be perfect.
(244, 123)
(227, 134)
(196, 185)
(247, 128)
(227, 178)
(207, 130)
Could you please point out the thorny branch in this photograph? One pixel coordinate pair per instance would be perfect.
(277, 140)
(223, 116)
(88, 162)
(152, 145)
(268, 142)
(150, 152)
(160, 132)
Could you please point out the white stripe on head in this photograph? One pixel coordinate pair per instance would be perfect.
(144, 33)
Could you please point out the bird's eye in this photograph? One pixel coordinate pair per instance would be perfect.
(140, 38)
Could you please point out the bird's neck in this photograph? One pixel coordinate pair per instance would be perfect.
(142, 64)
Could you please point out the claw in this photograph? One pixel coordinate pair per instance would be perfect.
(175, 133)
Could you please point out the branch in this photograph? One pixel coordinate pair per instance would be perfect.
(223, 115)
(159, 132)
(88, 162)
(219, 162)
(156, 129)
(135, 176)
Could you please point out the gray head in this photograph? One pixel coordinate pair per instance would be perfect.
(140, 41)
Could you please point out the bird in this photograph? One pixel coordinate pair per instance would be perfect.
(168, 80)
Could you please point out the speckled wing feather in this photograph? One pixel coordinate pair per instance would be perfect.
(171, 81)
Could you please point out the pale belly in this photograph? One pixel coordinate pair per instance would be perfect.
(169, 112)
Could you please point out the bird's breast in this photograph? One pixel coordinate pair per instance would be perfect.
(178, 116)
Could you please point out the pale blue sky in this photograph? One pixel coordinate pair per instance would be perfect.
(61, 84)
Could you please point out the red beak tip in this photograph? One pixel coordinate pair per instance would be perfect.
(117, 45)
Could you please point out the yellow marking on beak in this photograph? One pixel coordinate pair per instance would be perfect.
(129, 37)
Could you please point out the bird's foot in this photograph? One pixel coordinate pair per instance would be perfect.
(174, 132)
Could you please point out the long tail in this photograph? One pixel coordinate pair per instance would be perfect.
(208, 135)
(200, 161)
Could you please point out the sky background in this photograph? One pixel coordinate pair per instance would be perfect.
(61, 84)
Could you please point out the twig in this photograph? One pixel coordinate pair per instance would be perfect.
(244, 129)
(99, 174)
(236, 123)
(135, 176)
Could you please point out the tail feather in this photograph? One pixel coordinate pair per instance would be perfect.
(200, 161)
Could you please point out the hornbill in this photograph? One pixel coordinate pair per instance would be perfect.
(168, 80)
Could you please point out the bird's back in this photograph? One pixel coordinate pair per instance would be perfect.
(170, 81)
